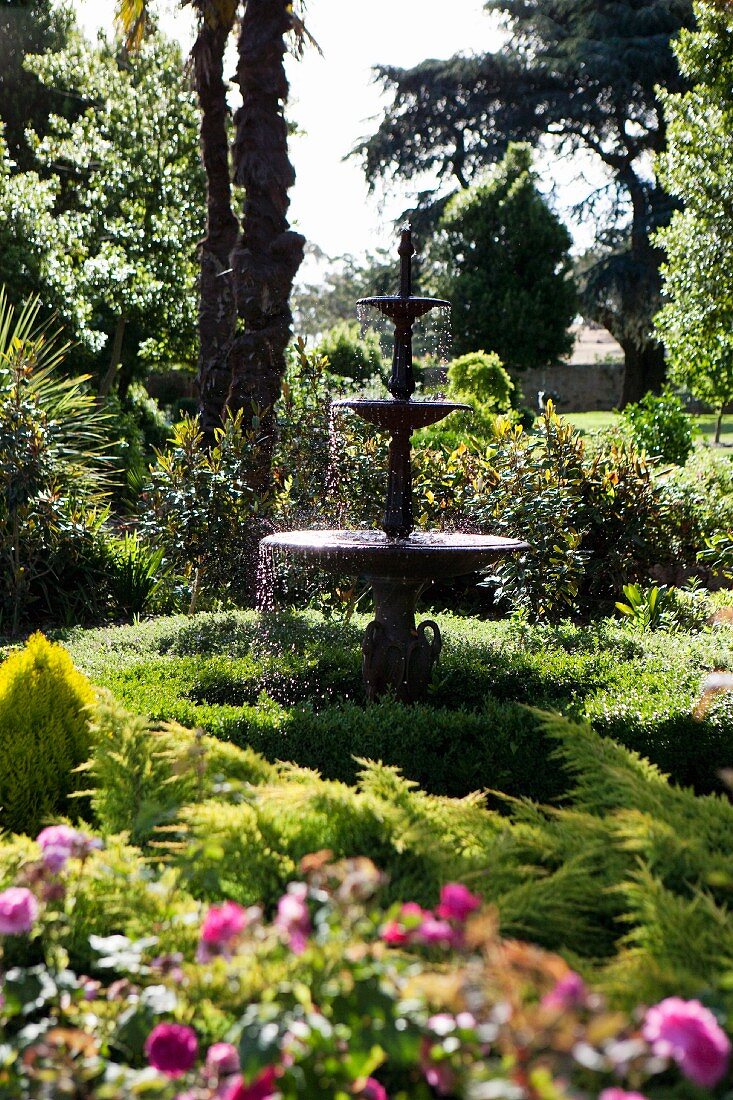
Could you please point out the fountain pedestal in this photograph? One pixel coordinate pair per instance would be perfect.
(398, 563)
(398, 655)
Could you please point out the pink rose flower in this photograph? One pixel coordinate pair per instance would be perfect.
(58, 843)
(172, 1049)
(293, 918)
(222, 1060)
(394, 934)
(18, 911)
(372, 1090)
(570, 992)
(403, 930)
(221, 926)
(620, 1094)
(688, 1033)
(457, 902)
(262, 1088)
(434, 931)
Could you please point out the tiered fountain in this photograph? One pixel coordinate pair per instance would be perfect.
(398, 562)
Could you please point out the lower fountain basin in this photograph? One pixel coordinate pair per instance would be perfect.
(421, 556)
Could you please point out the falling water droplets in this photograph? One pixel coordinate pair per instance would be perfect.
(266, 579)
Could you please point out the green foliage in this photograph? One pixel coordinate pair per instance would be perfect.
(105, 229)
(138, 427)
(200, 511)
(319, 1013)
(293, 691)
(349, 355)
(659, 425)
(53, 462)
(133, 574)
(695, 323)
(29, 28)
(44, 733)
(593, 521)
(481, 380)
(504, 263)
(647, 610)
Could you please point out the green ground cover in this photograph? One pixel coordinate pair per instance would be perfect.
(293, 692)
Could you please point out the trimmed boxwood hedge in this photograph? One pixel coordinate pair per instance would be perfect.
(293, 692)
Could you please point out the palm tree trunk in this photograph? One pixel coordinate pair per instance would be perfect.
(268, 254)
(217, 312)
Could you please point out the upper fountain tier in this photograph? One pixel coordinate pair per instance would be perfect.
(403, 309)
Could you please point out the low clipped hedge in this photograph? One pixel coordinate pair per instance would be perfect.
(294, 693)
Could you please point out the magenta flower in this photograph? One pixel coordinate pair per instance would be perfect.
(457, 902)
(620, 1094)
(570, 992)
(293, 918)
(262, 1088)
(58, 843)
(688, 1033)
(372, 1090)
(172, 1049)
(222, 1060)
(403, 930)
(18, 911)
(434, 931)
(220, 929)
(394, 934)
(437, 1073)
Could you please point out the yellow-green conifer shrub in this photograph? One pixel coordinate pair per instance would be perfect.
(44, 733)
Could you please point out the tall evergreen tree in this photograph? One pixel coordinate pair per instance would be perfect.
(582, 73)
(504, 262)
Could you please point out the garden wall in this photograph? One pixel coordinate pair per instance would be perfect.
(581, 387)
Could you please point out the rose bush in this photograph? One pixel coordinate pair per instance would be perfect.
(332, 996)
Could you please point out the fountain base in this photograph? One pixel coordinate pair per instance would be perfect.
(398, 655)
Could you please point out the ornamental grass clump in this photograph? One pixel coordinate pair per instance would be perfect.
(44, 733)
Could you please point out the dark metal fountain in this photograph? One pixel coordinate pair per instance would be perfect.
(398, 562)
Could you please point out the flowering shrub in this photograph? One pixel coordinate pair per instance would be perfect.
(334, 996)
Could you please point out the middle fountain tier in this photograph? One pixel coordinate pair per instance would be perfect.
(398, 563)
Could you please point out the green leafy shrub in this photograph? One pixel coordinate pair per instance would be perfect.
(480, 379)
(53, 469)
(44, 732)
(137, 428)
(295, 693)
(350, 355)
(134, 574)
(659, 425)
(593, 521)
(201, 513)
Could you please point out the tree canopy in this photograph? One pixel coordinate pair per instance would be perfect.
(106, 228)
(35, 26)
(583, 74)
(696, 322)
(504, 263)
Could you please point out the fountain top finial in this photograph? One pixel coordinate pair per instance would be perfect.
(406, 252)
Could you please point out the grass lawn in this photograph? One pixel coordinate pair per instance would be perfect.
(588, 422)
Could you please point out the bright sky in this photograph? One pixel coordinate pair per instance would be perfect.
(334, 99)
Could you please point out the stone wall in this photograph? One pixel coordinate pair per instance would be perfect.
(581, 387)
